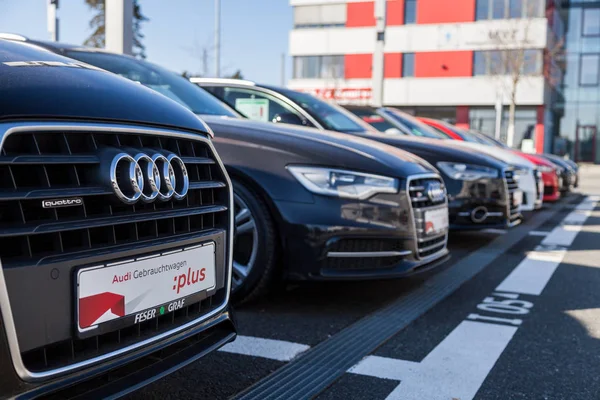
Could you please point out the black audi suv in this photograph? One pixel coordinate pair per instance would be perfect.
(483, 192)
(309, 205)
(116, 218)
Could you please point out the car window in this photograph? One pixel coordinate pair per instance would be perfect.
(372, 118)
(157, 78)
(256, 105)
(417, 128)
(441, 132)
(326, 114)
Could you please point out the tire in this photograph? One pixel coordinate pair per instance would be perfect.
(255, 246)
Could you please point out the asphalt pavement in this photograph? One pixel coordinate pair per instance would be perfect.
(512, 315)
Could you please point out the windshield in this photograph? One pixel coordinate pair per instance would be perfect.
(157, 78)
(440, 131)
(326, 114)
(472, 137)
(417, 128)
(371, 117)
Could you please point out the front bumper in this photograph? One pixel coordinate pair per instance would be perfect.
(532, 196)
(129, 372)
(569, 180)
(551, 186)
(480, 204)
(342, 239)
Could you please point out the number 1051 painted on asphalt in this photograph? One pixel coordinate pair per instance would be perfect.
(509, 305)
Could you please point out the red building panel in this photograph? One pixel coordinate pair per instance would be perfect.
(447, 11)
(395, 12)
(462, 117)
(360, 14)
(539, 130)
(358, 66)
(443, 64)
(393, 65)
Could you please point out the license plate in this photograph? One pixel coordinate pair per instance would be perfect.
(517, 198)
(436, 221)
(138, 287)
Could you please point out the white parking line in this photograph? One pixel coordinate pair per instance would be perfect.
(538, 233)
(266, 348)
(571, 225)
(461, 362)
(457, 367)
(494, 231)
(386, 368)
(533, 273)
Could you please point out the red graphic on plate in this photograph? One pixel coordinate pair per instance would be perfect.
(429, 227)
(91, 308)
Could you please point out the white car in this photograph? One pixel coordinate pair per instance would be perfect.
(529, 180)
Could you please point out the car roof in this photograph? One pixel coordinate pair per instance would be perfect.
(222, 81)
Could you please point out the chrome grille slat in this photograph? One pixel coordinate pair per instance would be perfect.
(86, 191)
(511, 186)
(50, 159)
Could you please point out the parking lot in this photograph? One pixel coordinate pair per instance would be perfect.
(513, 314)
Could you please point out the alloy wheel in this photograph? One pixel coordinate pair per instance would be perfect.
(246, 242)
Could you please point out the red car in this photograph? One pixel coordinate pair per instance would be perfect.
(550, 177)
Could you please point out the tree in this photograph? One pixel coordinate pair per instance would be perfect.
(98, 36)
(513, 59)
(236, 75)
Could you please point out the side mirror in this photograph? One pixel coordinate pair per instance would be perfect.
(287, 118)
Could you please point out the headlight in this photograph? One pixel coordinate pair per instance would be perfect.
(341, 183)
(467, 172)
(545, 168)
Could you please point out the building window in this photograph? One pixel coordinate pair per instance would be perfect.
(482, 10)
(505, 9)
(320, 16)
(410, 12)
(516, 8)
(319, 67)
(496, 62)
(589, 70)
(408, 65)
(479, 63)
(591, 22)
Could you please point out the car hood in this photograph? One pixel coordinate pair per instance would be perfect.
(507, 156)
(39, 84)
(436, 150)
(537, 160)
(320, 147)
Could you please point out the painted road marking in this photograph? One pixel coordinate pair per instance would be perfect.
(538, 233)
(386, 368)
(571, 225)
(461, 362)
(279, 350)
(494, 231)
(457, 367)
(533, 273)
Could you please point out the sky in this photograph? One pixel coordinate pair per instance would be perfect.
(254, 33)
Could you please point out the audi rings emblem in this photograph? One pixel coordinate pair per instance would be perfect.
(435, 192)
(148, 177)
